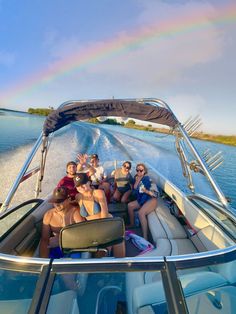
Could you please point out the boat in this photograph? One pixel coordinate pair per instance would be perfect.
(190, 270)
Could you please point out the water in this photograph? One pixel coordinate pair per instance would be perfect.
(18, 131)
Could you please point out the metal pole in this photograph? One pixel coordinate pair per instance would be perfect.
(213, 183)
(15, 185)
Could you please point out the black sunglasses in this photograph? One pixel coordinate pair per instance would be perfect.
(126, 167)
(139, 170)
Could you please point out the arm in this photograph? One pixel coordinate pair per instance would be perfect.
(151, 193)
(46, 231)
(82, 161)
(100, 197)
(83, 164)
(150, 188)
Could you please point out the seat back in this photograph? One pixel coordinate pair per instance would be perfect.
(92, 235)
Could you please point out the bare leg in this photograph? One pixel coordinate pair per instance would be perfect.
(131, 207)
(105, 186)
(125, 197)
(119, 249)
(146, 209)
(116, 196)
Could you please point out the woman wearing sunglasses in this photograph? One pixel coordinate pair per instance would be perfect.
(93, 205)
(124, 182)
(146, 198)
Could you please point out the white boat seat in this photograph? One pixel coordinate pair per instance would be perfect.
(216, 301)
(192, 284)
(208, 239)
(182, 246)
(172, 227)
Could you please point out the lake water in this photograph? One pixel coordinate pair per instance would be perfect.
(18, 132)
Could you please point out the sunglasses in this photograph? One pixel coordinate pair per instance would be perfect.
(139, 170)
(126, 167)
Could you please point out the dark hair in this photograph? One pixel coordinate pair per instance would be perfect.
(71, 163)
(127, 162)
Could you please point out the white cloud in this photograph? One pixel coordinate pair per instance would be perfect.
(162, 60)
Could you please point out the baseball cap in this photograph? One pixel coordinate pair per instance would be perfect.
(94, 156)
(80, 179)
(59, 195)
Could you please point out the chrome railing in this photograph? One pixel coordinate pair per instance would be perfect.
(21, 174)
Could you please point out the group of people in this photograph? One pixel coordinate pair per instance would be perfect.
(84, 194)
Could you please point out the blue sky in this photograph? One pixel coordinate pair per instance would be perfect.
(191, 68)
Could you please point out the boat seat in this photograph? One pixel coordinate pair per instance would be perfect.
(192, 284)
(167, 226)
(116, 208)
(209, 238)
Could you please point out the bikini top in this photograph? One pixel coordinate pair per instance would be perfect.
(84, 212)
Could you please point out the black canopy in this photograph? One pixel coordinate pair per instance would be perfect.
(81, 110)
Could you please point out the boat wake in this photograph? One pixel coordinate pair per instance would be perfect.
(87, 138)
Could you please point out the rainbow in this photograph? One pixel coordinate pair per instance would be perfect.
(118, 46)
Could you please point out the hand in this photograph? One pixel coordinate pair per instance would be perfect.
(82, 158)
(145, 190)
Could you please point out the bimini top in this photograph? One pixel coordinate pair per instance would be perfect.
(145, 110)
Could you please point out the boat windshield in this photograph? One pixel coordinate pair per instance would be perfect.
(225, 220)
(11, 218)
(183, 284)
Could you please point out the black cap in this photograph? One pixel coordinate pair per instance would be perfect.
(60, 194)
(80, 179)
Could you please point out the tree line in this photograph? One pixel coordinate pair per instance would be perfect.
(40, 111)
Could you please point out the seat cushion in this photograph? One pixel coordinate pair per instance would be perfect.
(182, 246)
(171, 225)
(211, 239)
(155, 227)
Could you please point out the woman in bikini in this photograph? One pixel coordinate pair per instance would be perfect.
(93, 205)
(124, 182)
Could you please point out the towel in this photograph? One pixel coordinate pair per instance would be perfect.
(142, 244)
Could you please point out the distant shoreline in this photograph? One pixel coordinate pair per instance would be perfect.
(221, 139)
(4, 109)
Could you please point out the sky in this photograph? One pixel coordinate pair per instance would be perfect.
(182, 52)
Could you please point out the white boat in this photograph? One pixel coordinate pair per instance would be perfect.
(190, 270)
